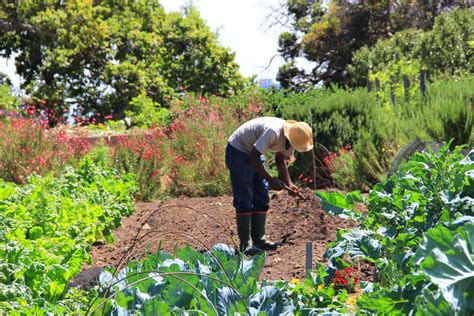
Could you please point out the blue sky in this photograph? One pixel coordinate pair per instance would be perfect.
(239, 25)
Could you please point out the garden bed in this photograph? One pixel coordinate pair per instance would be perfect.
(177, 221)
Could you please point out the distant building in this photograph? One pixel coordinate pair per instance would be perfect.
(268, 83)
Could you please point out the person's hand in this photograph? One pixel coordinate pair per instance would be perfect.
(276, 184)
(294, 191)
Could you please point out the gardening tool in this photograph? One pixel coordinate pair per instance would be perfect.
(296, 192)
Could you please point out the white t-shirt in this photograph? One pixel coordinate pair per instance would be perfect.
(265, 133)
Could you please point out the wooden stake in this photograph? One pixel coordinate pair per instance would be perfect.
(309, 258)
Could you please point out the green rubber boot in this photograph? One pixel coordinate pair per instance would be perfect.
(243, 230)
(258, 232)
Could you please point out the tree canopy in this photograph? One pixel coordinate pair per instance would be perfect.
(445, 49)
(99, 55)
(328, 34)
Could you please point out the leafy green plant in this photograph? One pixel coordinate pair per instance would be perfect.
(446, 258)
(214, 282)
(144, 112)
(417, 234)
(48, 227)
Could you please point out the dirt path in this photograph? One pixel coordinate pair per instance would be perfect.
(204, 222)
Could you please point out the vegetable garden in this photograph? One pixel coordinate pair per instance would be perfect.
(416, 232)
(114, 194)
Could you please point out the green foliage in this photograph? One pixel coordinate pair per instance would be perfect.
(328, 33)
(102, 54)
(447, 111)
(340, 118)
(373, 127)
(214, 282)
(7, 100)
(146, 113)
(444, 49)
(48, 228)
(445, 256)
(340, 205)
(418, 233)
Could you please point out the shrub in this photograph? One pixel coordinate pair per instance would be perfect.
(374, 127)
(28, 146)
(143, 153)
(339, 118)
(447, 111)
(342, 167)
(202, 127)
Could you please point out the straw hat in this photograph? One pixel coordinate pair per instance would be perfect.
(299, 134)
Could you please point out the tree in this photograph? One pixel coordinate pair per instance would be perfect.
(445, 49)
(327, 35)
(100, 55)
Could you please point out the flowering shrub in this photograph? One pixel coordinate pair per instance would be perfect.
(28, 146)
(143, 153)
(345, 279)
(185, 156)
(198, 136)
(303, 180)
(341, 166)
(331, 156)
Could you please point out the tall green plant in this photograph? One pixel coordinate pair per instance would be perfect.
(447, 112)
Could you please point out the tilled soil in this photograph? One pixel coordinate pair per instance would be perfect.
(204, 222)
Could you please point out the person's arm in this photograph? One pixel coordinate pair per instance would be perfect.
(280, 161)
(254, 156)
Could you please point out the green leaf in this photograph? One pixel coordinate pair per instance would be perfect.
(447, 258)
(35, 232)
(432, 303)
(338, 204)
(155, 307)
(271, 301)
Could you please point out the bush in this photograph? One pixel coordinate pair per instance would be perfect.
(185, 157)
(198, 142)
(28, 147)
(374, 127)
(447, 111)
(340, 118)
(143, 153)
